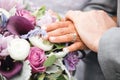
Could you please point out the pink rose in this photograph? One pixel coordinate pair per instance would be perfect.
(26, 14)
(37, 58)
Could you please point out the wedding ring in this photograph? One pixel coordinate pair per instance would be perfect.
(74, 37)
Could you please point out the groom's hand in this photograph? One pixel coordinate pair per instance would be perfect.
(91, 26)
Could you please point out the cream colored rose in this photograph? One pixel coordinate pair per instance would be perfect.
(39, 42)
(18, 49)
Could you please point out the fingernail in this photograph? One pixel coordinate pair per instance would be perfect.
(52, 38)
(66, 50)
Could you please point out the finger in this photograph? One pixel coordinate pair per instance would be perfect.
(61, 39)
(70, 15)
(56, 25)
(76, 46)
(59, 32)
(63, 19)
(64, 38)
(63, 31)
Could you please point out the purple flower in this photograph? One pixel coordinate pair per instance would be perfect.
(34, 32)
(71, 61)
(3, 45)
(26, 14)
(19, 25)
(47, 19)
(10, 68)
(37, 58)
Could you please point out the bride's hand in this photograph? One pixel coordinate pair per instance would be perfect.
(62, 32)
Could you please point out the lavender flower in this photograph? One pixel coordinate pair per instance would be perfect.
(46, 20)
(34, 32)
(71, 61)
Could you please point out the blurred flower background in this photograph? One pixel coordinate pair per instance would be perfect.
(24, 55)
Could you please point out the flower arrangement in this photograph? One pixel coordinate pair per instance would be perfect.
(24, 54)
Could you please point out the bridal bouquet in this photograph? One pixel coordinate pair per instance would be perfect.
(24, 54)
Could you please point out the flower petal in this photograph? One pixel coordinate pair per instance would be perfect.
(39, 42)
(18, 49)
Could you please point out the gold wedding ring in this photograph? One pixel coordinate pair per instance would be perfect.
(74, 37)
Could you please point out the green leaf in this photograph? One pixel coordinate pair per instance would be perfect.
(54, 76)
(59, 46)
(50, 61)
(62, 77)
(52, 69)
(59, 17)
(41, 77)
(62, 66)
(40, 12)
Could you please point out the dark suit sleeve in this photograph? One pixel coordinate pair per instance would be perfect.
(109, 54)
(109, 6)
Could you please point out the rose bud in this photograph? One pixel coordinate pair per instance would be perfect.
(19, 25)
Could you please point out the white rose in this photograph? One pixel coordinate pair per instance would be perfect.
(39, 42)
(18, 49)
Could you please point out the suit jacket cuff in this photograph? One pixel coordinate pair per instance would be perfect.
(109, 44)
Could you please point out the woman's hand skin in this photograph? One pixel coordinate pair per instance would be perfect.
(91, 26)
(62, 32)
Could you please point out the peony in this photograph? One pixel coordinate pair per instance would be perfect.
(18, 49)
(26, 14)
(36, 58)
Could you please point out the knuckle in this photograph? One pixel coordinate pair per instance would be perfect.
(68, 23)
(93, 13)
(57, 23)
(102, 12)
(62, 31)
(69, 37)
